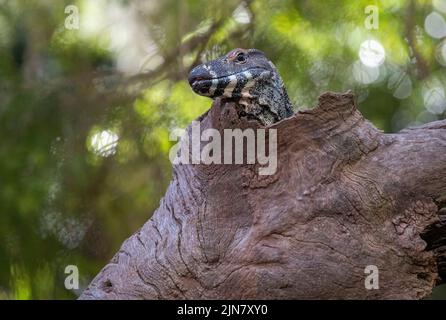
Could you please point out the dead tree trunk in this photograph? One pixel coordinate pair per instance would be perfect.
(345, 196)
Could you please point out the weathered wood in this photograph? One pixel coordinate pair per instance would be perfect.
(345, 196)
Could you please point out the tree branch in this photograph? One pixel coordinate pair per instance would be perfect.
(345, 196)
(422, 70)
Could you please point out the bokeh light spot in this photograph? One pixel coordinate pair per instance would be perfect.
(104, 143)
(364, 74)
(440, 5)
(434, 100)
(372, 53)
(401, 84)
(241, 14)
(435, 25)
(441, 53)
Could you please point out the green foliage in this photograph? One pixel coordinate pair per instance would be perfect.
(84, 157)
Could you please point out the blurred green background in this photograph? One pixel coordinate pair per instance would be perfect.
(85, 113)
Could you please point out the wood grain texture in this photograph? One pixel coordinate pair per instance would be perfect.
(345, 196)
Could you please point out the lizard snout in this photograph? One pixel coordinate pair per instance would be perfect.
(200, 80)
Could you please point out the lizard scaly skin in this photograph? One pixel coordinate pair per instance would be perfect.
(246, 76)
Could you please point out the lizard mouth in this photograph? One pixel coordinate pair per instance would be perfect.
(206, 85)
(201, 86)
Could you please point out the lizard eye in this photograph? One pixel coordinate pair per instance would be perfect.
(240, 58)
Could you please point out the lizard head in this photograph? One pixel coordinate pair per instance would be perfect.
(234, 75)
(245, 75)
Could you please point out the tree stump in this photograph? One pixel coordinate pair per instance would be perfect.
(345, 196)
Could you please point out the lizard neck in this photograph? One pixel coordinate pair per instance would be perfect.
(268, 101)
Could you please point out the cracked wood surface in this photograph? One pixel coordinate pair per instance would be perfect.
(345, 196)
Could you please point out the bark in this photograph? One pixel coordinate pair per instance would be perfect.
(345, 196)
